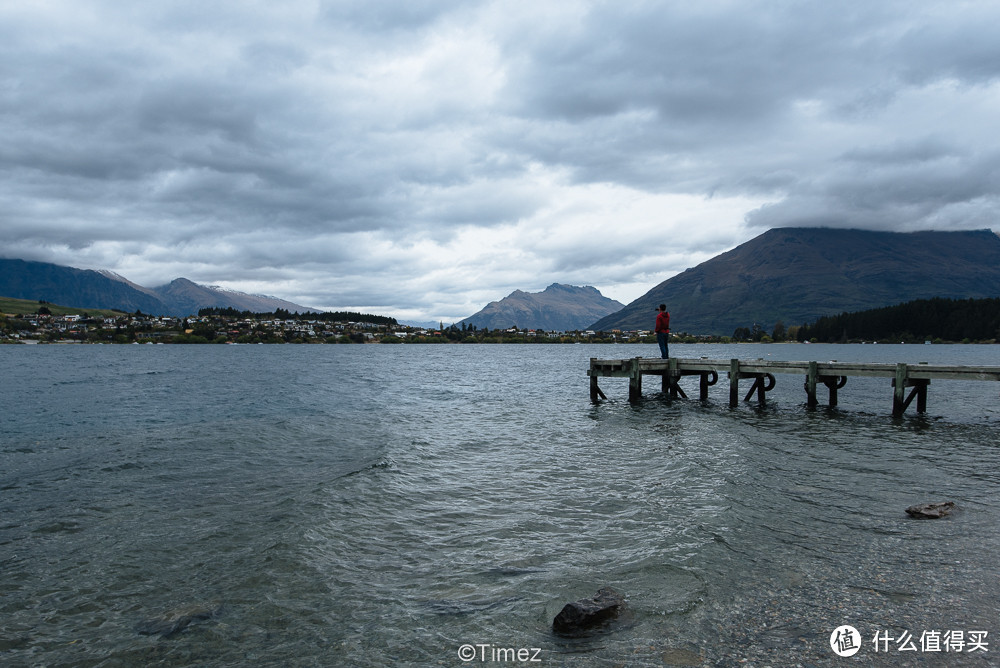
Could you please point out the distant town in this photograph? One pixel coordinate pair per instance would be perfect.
(216, 326)
(935, 320)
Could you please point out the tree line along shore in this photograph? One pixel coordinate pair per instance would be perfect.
(936, 320)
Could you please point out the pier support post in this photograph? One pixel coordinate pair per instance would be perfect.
(900, 402)
(921, 391)
(595, 391)
(834, 383)
(593, 381)
(734, 383)
(674, 376)
(762, 383)
(708, 378)
(899, 391)
(811, 374)
(635, 382)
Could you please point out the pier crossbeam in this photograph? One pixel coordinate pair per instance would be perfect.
(832, 374)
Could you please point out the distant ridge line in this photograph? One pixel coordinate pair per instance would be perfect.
(104, 289)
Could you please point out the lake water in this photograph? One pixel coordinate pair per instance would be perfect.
(388, 505)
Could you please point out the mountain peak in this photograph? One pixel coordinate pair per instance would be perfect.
(559, 307)
(562, 287)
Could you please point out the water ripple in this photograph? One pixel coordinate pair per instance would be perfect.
(383, 505)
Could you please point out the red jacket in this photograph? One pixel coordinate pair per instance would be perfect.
(663, 322)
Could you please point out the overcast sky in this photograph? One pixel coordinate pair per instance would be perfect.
(421, 158)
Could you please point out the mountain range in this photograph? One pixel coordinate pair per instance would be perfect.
(792, 275)
(87, 288)
(557, 308)
(797, 275)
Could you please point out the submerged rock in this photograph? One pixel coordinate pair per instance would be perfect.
(175, 621)
(930, 511)
(579, 616)
(682, 657)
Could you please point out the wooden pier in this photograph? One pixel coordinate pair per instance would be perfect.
(832, 375)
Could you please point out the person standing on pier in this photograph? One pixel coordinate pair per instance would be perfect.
(662, 330)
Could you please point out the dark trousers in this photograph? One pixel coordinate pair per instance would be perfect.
(661, 338)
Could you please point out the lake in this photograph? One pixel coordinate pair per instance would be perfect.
(379, 505)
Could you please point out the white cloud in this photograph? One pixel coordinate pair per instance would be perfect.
(424, 159)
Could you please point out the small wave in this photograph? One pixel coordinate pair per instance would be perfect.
(175, 621)
(506, 572)
(127, 466)
(380, 464)
(59, 527)
(447, 607)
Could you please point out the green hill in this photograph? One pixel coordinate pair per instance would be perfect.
(10, 306)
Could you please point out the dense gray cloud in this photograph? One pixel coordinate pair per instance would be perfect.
(421, 159)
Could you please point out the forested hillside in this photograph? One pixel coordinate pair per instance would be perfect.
(919, 320)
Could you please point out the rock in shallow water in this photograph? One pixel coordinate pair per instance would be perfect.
(580, 616)
(930, 511)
